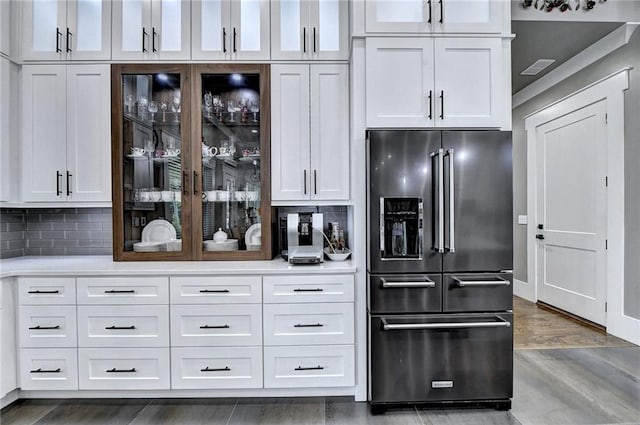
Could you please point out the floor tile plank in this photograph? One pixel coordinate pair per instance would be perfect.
(467, 417)
(94, 412)
(279, 411)
(344, 411)
(26, 412)
(186, 412)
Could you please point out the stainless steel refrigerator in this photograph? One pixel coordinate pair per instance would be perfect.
(439, 267)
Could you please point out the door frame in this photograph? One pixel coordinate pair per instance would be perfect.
(610, 89)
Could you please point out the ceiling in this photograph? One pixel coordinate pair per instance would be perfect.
(550, 40)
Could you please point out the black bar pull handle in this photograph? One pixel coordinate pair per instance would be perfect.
(234, 40)
(114, 370)
(119, 328)
(313, 325)
(40, 370)
(214, 291)
(314, 39)
(120, 291)
(305, 181)
(144, 39)
(195, 182)
(308, 290)
(44, 328)
(58, 35)
(309, 368)
(441, 104)
(153, 39)
(69, 175)
(315, 182)
(215, 327)
(69, 34)
(540, 237)
(220, 369)
(441, 12)
(429, 5)
(58, 175)
(224, 40)
(184, 182)
(430, 104)
(304, 39)
(38, 291)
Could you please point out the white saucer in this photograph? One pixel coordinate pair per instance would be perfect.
(158, 231)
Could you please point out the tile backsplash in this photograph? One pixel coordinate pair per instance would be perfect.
(55, 231)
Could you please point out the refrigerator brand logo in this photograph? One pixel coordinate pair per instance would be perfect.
(441, 384)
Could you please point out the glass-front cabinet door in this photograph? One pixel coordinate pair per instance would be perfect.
(231, 162)
(151, 132)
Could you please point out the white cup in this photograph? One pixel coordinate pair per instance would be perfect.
(155, 196)
(223, 195)
(166, 195)
(145, 196)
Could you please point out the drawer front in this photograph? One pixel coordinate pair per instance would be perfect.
(308, 324)
(308, 289)
(123, 290)
(50, 290)
(221, 325)
(216, 290)
(123, 368)
(405, 293)
(123, 326)
(310, 366)
(48, 369)
(226, 367)
(453, 357)
(47, 326)
(478, 292)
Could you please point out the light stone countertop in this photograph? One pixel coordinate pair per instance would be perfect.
(105, 266)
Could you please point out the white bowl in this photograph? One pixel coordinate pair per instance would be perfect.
(337, 256)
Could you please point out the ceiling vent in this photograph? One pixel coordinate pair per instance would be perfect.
(537, 66)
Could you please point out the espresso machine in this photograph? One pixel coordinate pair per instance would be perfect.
(305, 238)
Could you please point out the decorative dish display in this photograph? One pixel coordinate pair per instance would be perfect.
(228, 245)
(158, 230)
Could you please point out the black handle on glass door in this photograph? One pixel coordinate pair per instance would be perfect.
(153, 39)
(58, 175)
(304, 39)
(184, 182)
(69, 34)
(224, 40)
(235, 50)
(441, 104)
(69, 175)
(58, 35)
(441, 12)
(195, 180)
(314, 39)
(430, 104)
(144, 39)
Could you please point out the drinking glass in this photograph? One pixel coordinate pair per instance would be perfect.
(254, 107)
(153, 108)
(128, 101)
(231, 108)
(175, 106)
(164, 105)
(142, 106)
(208, 103)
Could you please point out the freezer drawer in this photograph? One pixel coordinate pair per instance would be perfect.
(477, 292)
(424, 358)
(415, 293)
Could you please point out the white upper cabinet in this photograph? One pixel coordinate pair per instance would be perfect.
(442, 82)
(66, 30)
(66, 133)
(5, 25)
(230, 29)
(151, 29)
(309, 132)
(5, 142)
(310, 29)
(439, 16)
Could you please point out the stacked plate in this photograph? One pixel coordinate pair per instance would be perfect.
(253, 237)
(148, 246)
(155, 236)
(228, 245)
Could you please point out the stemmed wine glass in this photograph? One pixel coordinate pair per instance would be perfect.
(153, 108)
(208, 103)
(254, 107)
(164, 104)
(231, 108)
(128, 101)
(175, 106)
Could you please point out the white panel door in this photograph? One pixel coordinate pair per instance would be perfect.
(131, 32)
(469, 16)
(468, 82)
(329, 132)
(329, 30)
(290, 177)
(5, 32)
(290, 29)
(399, 82)
(5, 136)
(44, 132)
(8, 377)
(88, 32)
(408, 16)
(250, 30)
(43, 29)
(49, 369)
(571, 200)
(171, 30)
(88, 133)
(210, 26)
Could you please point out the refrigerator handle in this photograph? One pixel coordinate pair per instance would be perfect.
(439, 245)
(452, 223)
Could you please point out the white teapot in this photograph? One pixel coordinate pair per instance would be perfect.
(220, 235)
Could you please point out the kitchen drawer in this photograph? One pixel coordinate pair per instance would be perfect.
(123, 290)
(309, 366)
(47, 326)
(405, 293)
(226, 367)
(49, 290)
(220, 325)
(123, 326)
(123, 368)
(216, 290)
(308, 289)
(48, 369)
(477, 292)
(308, 324)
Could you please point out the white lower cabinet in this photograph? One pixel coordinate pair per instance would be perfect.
(309, 366)
(123, 368)
(8, 376)
(48, 369)
(220, 367)
(47, 326)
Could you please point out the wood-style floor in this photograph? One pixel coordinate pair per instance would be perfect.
(564, 373)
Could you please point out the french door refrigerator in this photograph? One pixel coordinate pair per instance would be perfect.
(440, 267)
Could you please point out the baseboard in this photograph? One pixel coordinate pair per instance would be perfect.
(9, 398)
(570, 316)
